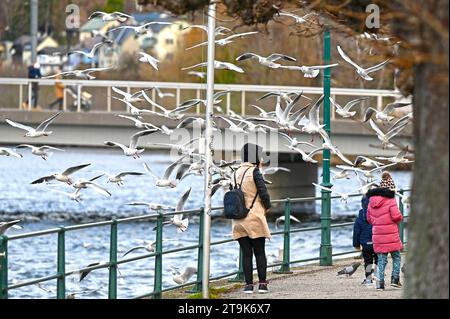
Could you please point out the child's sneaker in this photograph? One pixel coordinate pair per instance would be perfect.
(248, 289)
(262, 288)
(367, 282)
(395, 282)
(380, 285)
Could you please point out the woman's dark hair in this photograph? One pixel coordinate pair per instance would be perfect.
(251, 153)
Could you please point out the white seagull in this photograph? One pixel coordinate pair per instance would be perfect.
(141, 29)
(4, 226)
(367, 173)
(84, 184)
(40, 151)
(39, 131)
(345, 111)
(385, 137)
(165, 180)
(305, 156)
(91, 54)
(119, 178)
(224, 41)
(182, 278)
(150, 247)
(219, 65)
(132, 149)
(269, 61)
(138, 123)
(364, 73)
(385, 114)
(298, 19)
(82, 74)
(75, 196)
(131, 98)
(177, 220)
(115, 16)
(309, 71)
(147, 58)
(366, 162)
(63, 177)
(400, 158)
(282, 219)
(8, 152)
(200, 75)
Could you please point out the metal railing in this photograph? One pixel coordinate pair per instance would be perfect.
(158, 254)
(243, 90)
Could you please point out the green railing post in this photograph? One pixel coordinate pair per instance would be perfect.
(325, 217)
(240, 275)
(401, 226)
(285, 267)
(3, 267)
(112, 284)
(61, 265)
(157, 286)
(198, 286)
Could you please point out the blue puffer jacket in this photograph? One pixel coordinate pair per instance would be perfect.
(362, 230)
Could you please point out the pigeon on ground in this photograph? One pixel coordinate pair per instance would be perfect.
(349, 270)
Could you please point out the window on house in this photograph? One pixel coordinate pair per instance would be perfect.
(169, 56)
(169, 41)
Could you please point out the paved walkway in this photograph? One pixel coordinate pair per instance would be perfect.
(316, 282)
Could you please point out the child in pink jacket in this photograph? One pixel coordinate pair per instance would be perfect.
(383, 214)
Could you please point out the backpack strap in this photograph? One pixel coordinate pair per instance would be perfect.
(243, 175)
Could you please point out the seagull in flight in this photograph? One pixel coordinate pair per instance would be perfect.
(200, 75)
(119, 178)
(142, 29)
(91, 54)
(282, 219)
(82, 74)
(150, 247)
(64, 177)
(224, 41)
(130, 98)
(307, 157)
(165, 180)
(364, 73)
(133, 109)
(9, 152)
(400, 158)
(367, 173)
(345, 111)
(147, 58)
(40, 151)
(84, 184)
(39, 131)
(4, 226)
(182, 278)
(132, 149)
(309, 71)
(137, 123)
(386, 137)
(115, 16)
(298, 19)
(269, 61)
(177, 220)
(385, 114)
(219, 65)
(293, 140)
(75, 196)
(366, 162)
(220, 31)
(162, 95)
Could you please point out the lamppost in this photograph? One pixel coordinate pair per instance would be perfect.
(208, 150)
(325, 217)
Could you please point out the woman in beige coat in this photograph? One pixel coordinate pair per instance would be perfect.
(251, 232)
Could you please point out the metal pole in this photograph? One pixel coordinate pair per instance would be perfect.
(325, 217)
(34, 29)
(198, 286)
(3, 267)
(208, 148)
(285, 267)
(61, 265)
(157, 286)
(401, 226)
(112, 286)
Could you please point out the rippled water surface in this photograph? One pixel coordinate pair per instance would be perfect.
(41, 208)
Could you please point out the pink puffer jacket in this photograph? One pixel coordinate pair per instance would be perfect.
(384, 215)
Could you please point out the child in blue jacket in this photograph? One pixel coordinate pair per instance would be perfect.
(362, 236)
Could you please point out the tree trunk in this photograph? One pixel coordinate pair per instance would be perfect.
(427, 263)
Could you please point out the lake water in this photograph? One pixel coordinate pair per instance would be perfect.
(41, 208)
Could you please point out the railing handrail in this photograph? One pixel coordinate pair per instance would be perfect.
(62, 230)
(195, 86)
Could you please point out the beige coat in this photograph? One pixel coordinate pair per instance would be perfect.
(255, 224)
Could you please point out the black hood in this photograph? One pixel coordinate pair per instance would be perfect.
(383, 192)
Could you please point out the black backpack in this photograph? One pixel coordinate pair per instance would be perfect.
(234, 201)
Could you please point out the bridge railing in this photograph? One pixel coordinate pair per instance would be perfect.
(236, 98)
(61, 273)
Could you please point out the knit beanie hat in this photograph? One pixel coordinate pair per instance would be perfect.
(387, 182)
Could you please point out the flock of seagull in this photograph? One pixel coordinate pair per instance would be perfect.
(289, 115)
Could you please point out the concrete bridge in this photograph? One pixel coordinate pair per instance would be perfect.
(91, 129)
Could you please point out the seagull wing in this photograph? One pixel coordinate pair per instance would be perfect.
(247, 56)
(133, 249)
(43, 126)
(182, 201)
(135, 137)
(276, 56)
(369, 113)
(109, 143)
(43, 180)
(124, 94)
(19, 126)
(129, 173)
(194, 66)
(377, 67)
(352, 103)
(346, 58)
(74, 169)
(148, 170)
(98, 188)
(376, 128)
(239, 35)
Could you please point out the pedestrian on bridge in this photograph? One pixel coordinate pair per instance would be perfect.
(59, 93)
(383, 213)
(251, 232)
(362, 236)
